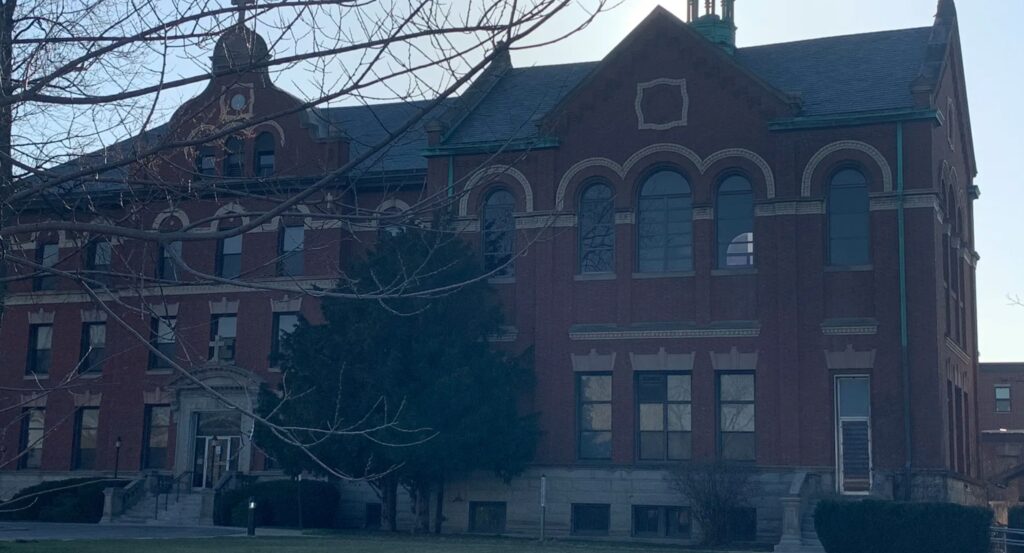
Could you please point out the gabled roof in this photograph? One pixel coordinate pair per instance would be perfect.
(841, 75)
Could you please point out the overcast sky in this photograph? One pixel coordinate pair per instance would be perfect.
(993, 46)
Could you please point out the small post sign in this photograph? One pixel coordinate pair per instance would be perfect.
(543, 504)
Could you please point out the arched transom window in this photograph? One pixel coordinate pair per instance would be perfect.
(498, 231)
(849, 230)
(735, 223)
(597, 229)
(665, 224)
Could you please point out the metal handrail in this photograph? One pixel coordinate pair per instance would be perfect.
(167, 484)
(1003, 538)
(133, 492)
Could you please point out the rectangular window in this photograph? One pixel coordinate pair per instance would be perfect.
(87, 422)
(650, 521)
(47, 255)
(40, 349)
(223, 331)
(373, 515)
(594, 417)
(32, 431)
(207, 164)
(736, 437)
(663, 402)
(284, 325)
(100, 253)
(164, 339)
(229, 257)
(167, 269)
(290, 246)
(94, 345)
(1003, 399)
(154, 436)
(590, 519)
(486, 517)
(853, 433)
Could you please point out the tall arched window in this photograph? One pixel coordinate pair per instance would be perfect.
(499, 232)
(597, 229)
(735, 223)
(849, 224)
(665, 224)
(233, 157)
(264, 155)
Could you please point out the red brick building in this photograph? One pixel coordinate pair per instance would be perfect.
(760, 255)
(1001, 429)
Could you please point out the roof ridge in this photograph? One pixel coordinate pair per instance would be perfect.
(850, 35)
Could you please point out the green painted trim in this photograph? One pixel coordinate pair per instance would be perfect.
(852, 120)
(493, 147)
(908, 436)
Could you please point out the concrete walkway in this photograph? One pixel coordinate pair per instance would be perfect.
(11, 531)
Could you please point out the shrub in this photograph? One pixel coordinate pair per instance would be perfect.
(718, 495)
(71, 500)
(890, 527)
(277, 504)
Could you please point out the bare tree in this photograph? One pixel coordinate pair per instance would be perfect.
(715, 491)
(97, 140)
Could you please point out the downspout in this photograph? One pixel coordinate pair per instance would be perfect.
(904, 332)
(451, 176)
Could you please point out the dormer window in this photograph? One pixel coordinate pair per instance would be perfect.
(264, 148)
(233, 164)
(206, 162)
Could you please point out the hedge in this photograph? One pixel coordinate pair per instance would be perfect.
(890, 527)
(277, 504)
(71, 500)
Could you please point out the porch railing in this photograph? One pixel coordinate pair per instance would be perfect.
(1007, 540)
(171, 485)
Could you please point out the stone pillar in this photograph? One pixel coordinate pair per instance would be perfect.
(113, 503)
(790, 541)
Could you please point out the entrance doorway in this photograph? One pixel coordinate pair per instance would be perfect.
(218, 441)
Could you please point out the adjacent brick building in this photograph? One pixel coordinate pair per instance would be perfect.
(758, 255)
(1001, 427)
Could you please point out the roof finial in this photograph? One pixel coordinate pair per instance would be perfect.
(947, 10)
(692, 11)
(242, 4)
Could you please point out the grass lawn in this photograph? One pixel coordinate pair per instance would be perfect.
(346, 543)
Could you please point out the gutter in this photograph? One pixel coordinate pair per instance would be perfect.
(904, 331)
(492, 147)
(853, 119)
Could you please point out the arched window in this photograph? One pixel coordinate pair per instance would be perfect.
(233, 157)
(264, 155)
(597, 229)
(665, 224)
(499, 232)
(849, 215)
(735, 223)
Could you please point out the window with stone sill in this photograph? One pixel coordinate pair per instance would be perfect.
(47, 256)
(229, 257)
(33, 430)
(665, 224)
(87, 422)
(223, 333)
(1003, 400)
(590, 519)
(155, 435)
(734, 223)
(736, 422)
(264, 154)
(164, 339)
(656, 521)
(594, 414)
(664, 416)
(40, 349)
(849, 219)
(498, 233)
(93, 348)
(233, 157)
(597, 230)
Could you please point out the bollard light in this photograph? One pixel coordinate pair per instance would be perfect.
(251, 531)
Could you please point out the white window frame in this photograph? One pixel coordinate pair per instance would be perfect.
(837, 428)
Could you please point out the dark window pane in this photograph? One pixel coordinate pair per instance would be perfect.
(292, 243)
(647, 522)
(665, 224)
(86, 426)
(737, 387)
(652, 446)
(735, 223)
(590, 519)
(849, 217)
(854, 397)
(486, 518)
(32, 432)
(743, 524)
(374, 512)
(651, 388)
(678, 519)
(596, 388)
(596, 416)
(679, 446)
(233, 157)
(595, 445)
(738, 446)
(498, 232)
(264, 147)
(597, 230)
(856, 457)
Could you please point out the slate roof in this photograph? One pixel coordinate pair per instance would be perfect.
(834, 75)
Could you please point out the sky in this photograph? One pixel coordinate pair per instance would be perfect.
(993, 49)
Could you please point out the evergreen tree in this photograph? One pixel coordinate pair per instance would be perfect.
(421, 369)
